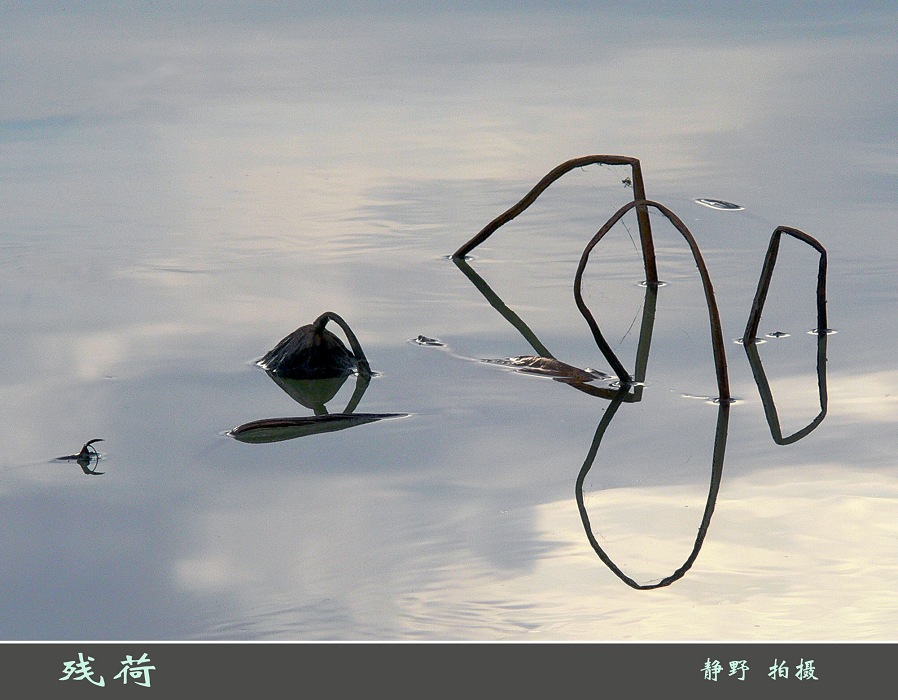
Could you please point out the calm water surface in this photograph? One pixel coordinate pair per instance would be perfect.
(182, 189)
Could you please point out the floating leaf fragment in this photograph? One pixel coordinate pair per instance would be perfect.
(424, 340)
(549, 367)
(719, 204)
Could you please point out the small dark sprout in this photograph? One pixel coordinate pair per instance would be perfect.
(85, 457)
(89, 450)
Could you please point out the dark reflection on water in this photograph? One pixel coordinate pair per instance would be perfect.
(720, 436)
(770, 411)
(631, 393)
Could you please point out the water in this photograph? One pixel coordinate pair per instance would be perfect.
(183, 188)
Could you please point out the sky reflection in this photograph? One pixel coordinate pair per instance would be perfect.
(760, 564)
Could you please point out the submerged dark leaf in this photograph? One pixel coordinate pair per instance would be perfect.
(277, 429)
(548, 367)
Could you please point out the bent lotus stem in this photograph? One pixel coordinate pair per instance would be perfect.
(362, 361)
(645, 232)
(754, 317)
(718, 346)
